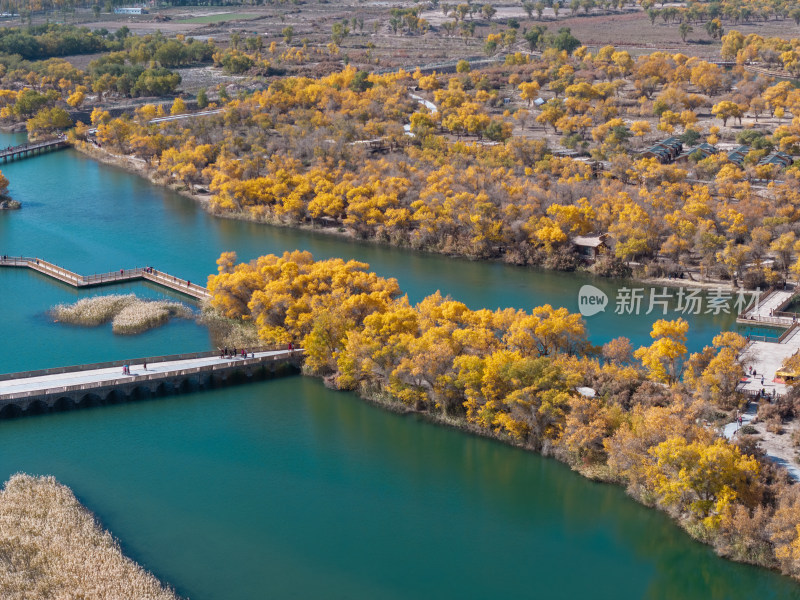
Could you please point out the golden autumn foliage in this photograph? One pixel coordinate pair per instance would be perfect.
(521, 376)
(704, 478)
(663, 359)
(359, 152)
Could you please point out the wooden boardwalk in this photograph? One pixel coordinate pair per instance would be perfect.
(29, 149)
(62, 388)
(81, 281)
(770, 310)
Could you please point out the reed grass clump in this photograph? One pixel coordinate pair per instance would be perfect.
(91, 312)
(52, 547)
(229, 333)
(142, 315)
(127, 313)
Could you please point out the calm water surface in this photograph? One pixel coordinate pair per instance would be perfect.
(92, 219)
(286, 489)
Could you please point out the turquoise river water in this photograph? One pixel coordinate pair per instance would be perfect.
(285, 489)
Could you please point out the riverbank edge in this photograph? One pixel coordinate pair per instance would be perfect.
(140, 167)
(65, 547)
(596, 473)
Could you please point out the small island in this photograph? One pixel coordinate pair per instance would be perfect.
(128, 314)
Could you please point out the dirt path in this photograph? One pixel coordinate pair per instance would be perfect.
(779, 447)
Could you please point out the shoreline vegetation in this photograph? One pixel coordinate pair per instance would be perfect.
(53, 547)
(650, 424)
(453, 172)
(128, 314)
(510, 162)
(6, 202)
(140, 168)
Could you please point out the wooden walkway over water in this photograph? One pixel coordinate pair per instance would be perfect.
(63, 388)
(33, 149)
(770, 309)
(81, 281)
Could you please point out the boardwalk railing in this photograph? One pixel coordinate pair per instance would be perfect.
(788, 333)
(778, 317)
(74, 279)
(773, 339)
(759, 301)
(768, 320)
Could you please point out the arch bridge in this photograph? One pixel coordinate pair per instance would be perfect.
(64, 388)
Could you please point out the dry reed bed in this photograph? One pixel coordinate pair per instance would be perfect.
(127, 313)
(229, 333)
(51, 547)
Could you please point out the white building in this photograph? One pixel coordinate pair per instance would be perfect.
(130, 11)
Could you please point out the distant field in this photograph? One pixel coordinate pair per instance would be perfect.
(218, 18)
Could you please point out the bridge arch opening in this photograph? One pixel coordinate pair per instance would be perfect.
(90, 400)
(114, 397)
(64, 403)
(10, 411)
(37, 407)
(139, 392)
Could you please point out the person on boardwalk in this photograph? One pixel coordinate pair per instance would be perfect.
(144, 365)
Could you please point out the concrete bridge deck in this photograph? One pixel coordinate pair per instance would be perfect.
(80, 281)
(66, 387)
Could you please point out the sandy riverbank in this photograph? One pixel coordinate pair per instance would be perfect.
(711, 284)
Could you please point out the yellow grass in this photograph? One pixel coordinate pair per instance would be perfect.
(93, 311)
(143, 315)
(51, 547)
(127, 313)
(229, 333)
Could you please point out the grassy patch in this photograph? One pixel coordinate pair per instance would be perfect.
(52, 547)
(218, 18)
(128, 314)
